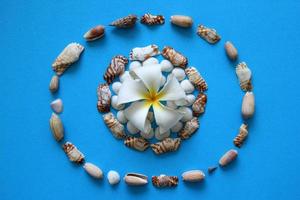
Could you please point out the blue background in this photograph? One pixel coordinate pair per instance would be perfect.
(32, 164)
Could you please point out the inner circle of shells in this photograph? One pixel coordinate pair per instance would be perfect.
(192, 106)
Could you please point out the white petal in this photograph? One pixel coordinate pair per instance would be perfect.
(148, 126)
(187, 113)
(116, 87)
(172, 90)
(181, 102)
(115, 104)
(131, 128)
(131, 90)
(178, 73)
(161, 135)
(162, 80)
(171, 104)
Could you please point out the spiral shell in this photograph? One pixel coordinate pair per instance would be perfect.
(73, 153)
(244, 75)
(116, 128)
(242, 135)
(208, 34)
(199, 105)
(189, 128)
(143, 53)
(176, 58)
(152, 19)
(167, 145)
(139, 144)
(164, 181)
(125, 22)
(115, 68)
(94, 33)
(104, 95)
(195, 77)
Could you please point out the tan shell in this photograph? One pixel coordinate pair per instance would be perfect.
(116, 128)
(164, 181)
(139, 144)
(125, 22)
(115, 68)
(152, 19)
(244, 75)
(54, 83)
(135, 179)
(68, 56)
(208, 34)
(190, 127)
(94, 33)
(242, 135)
(104, 98)
(73, 153)
(176, 58)
(182, 21)
(143, 53)
(199, 104)
(228, 157)
(231, 51)
(193, 176)
(93, 170)
(248, 105)
(195, 77)
(56, 127)
(166, 145)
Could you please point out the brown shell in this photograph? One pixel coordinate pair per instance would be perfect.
(166, 145)
(73, 153)
(125, 22)
(199, 105)
(228, 157)
(104, 96)
(164, 181)
(139, 144)
(115, 68)
(176, 58)
(190, 127)
(208, 34)
(94, 33)
(242, 135)
(116, 128)
(152, 19)
(195, 77)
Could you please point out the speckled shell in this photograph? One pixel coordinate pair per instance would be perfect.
(104, 96)
(152, 19)
(125, 22)
(164, 181)
(176, 58)
(115, 68)
(242, 135)
(244, 75)
(116, 128)
(196, 78)
(73, 153)
(167, 145)
(94, 33)
(189, 128)
(228, 157)
(143, 53)
(199, 105)
(208, 34)
(67, 57)
(139, 144)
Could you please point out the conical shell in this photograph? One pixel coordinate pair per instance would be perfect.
(208, 34)
(56, 127)
(143, 53)
(231, 51)
(176, 58)
(104, 98)
(182, 21)
(195, 77)
(125, 22)
(94, 33)
(152, 19)
(115, 68)
(244, 75)
(212, 169)
(193, 176)
(164, 181)
(199, 105)
(228, 157)
(93, 170)
(167, 145)
(242, 135)
(116, 128)
(135, 179)
(54, 83)
(139, 144)
(248, 105)
(73, 153)
(190, 127)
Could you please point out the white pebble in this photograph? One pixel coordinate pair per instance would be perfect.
(161, 136)
(171, 104)
(166, 66)
(131, 128)
(148, 135)
(162, 80)
(177, 127)
(190, 98)
(178, 73)
(150, 116)
(187, 113)
(113, 177)
(134, 64)
(125, 76)
(187, 86)
(150, 61)
(114, 103)
(57, 105)
(121, 117)
(116, 87)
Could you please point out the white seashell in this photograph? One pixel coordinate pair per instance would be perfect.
(248, 105)
(179, 73)
(134, 64)
(150, 61)
(171, 104)
(177, 127)
(116, 87)
(121, 117)
(57, 105)
(93, 170)
(114, 103)
(187, 114)
(143, 53)
(162, 80)
(166, 66)
(161, 136)
(113, 177)
(244, 75)
(150, 116)
(187, 86)
(193, 176)
(131, 128)
(190, 99)
(125, 76)
(148, 135)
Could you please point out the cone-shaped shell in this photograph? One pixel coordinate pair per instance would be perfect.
(125, 22)
(94, 33)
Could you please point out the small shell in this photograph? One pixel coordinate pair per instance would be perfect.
(176, 58)
(149, 135)
(135, 179)
(67, 57)
(125, 22)
(177, 127)
(161, 136)
(189, 128)
(73, 153)
(114, 103)
(94, 33)
(187, 113)
(196, 78)
(113, 177)
(182, 21)
(54, 83)
(116, 86)
(166, 66)
(116, 128)
(171, 104)
(199, 105)
(115, 68)
(164, 181)
(244, 75)
(208, 34)
(248, 105)
(167, 145)
(143, 53)
(56, 127)
(139, 144)
(178, 73)
(187, 86)
(131, 128)
(228, 157)
(150, 61)
(242, 135)
(152, 19)
(104, 95)
(231, 51)
(121, 117)
(212, 169)
(93, 170)
(134, 64)
(57, 105)
(190, 98)
(193, 176)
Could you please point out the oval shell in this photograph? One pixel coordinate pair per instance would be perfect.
(231, 51)
(93, 170)
(152, 19)
(228, 157)
(73, 153)
(164, 181)
(113, 177)
(135, 179)
(199, 105)
(94, 33)
(248, 105)
(182, 20)
(176, 58)
(56, 127)
(104, 96)
(196, 78)
(244, 75)
(193, 176)
(54, 83)
(208, 34)
(116, 128)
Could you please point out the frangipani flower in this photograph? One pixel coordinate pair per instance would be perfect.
(144, 92)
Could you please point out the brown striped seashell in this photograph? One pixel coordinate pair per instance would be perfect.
(125, 22)
(104, 98)
(190, 127)
(164, 181)
(115, 68)
(176, 58)
(116, 128)
(182, 21)
(68, 56)
(244, 75)
(198, 106)
(242, 135)
(94, 33)
(135, 179)
(152, 19)
(143, 53)
(166, 145)
(193, 176)
(195, 77)
(139, 144)
(208, 34)
(228, 157)
(73, 153)
(248, 105)
(231, 51)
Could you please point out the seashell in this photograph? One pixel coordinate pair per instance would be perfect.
(242, 135)
(54, 83)
(161, 135)
(116, 86)
(176, 58)
(166, 66)
(68, 56)
(134, 64)
(182, 21)
(115, 105)
(244, 75)
(189, 128)
(190, 98)
(113, 177)
(135, 179)
(152, 19)
(228, 157)
(195, 77)
(115, 68)
(104, 95)
(187, 86)
(199, 105)
(57, 105)
(126, 75)
(208, 34)
(193, 176)
(187, 113)
(56, 127)
(231, 51)
(178, 73)
(93, 170)
(139, 144)
(166, 145)
(212, 169)
(143, 53)
(171, 104)
(125, 22)
(116, 128)
(164, 181)
(150, 61)
(121, 117)
(94, 33)
(131, 128)
(248, 105)
(177, 127)
(73, 153)
(148, 135)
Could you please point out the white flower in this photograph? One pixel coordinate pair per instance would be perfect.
(144, 92)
